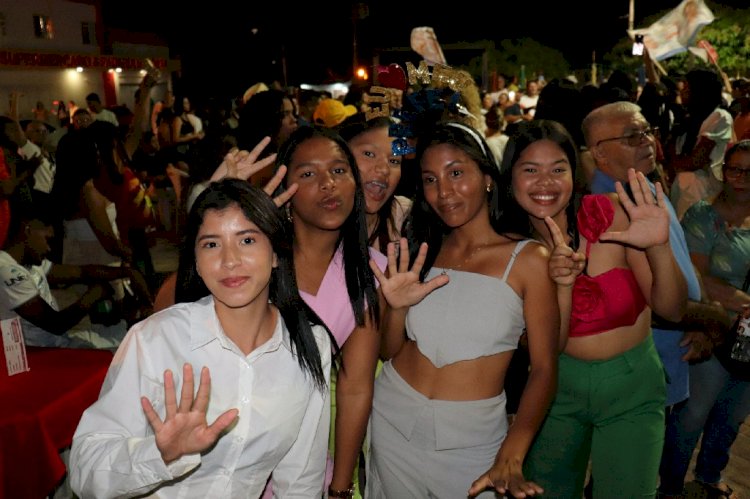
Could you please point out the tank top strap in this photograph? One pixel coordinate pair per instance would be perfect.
(519, 246)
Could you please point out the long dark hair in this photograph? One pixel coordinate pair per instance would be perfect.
(283, 293)
(423, 224)
(527, 133)
(705, 87)
(360, 281)
(349, 129)
(261, 117)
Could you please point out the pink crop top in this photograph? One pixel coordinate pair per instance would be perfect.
(612, 299)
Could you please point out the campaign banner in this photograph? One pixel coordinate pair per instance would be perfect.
(676, 31)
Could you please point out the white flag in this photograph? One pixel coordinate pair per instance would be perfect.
(424, 42)
(676, 31)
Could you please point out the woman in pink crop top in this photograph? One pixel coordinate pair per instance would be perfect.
(609, 405)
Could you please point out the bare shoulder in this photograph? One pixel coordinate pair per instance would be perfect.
(531, 251)
(531, 260)
(621, 220)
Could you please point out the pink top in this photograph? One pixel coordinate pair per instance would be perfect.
(332, 301)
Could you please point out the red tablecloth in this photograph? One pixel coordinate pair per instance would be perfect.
(39, 412)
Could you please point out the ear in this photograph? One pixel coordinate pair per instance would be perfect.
(488, 180)
(275, 262)
(598, 155)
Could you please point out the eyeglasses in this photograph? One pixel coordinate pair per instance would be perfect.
(734, 171)
(634, 139)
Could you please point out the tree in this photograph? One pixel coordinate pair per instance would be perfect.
(729, 34)
(512, 54)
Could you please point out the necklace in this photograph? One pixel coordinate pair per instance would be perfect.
(460, 266)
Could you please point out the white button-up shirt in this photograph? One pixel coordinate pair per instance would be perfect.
(282, 427)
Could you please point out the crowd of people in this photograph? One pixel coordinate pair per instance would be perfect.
(527, 292)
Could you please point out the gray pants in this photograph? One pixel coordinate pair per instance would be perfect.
(423, 448)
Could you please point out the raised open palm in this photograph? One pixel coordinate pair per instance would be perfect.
(185, 429)
(402, 287)
(649, 217)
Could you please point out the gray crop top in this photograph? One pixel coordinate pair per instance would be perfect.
(472, 316)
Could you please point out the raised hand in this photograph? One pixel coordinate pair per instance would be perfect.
(244, 164)
(402, 287)
(649, 218)
(565, 264)
(505, 476)
(184, 429)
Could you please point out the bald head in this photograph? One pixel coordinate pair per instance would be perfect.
(619, 138)
(36, 132)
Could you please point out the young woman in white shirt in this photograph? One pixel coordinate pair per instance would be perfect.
(261, 405)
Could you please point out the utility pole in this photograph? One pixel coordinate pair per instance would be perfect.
(355, 17)
(631, 15)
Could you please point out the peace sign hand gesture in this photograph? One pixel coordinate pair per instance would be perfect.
(402, 287)
(244, 164)
(649, 217)
(185, 429)
(565, 264)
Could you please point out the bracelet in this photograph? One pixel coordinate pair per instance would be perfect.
(346, 493)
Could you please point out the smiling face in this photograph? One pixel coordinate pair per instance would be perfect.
(543, 180)
(234, 259)
(454, 186)
(379, 168)
(325, 197)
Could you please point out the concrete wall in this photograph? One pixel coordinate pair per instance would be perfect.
(66, 21)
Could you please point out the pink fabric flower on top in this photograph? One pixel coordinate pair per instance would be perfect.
(588, 297)
(595, 216)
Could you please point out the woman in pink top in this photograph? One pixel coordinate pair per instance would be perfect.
(327, 214)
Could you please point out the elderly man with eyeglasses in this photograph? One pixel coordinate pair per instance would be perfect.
(619, 137)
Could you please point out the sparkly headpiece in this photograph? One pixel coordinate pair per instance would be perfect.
(443, 95)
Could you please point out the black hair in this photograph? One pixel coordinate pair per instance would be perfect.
(283, 292)
(349, 129)
(106, 139)
(423, 224)
(741, 146)
(360, 281)
(261, 117)
(5, 140)
(561, 101)
(19, 218)
(179, 105)
(528, 133)
(93, 97)
(705, 88)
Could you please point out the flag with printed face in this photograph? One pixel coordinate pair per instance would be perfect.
(676, 31)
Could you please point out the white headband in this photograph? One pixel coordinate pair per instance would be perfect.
(471, 132)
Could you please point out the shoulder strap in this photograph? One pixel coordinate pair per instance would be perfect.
(519, 246)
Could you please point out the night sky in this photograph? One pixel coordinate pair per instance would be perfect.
(220, 53)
